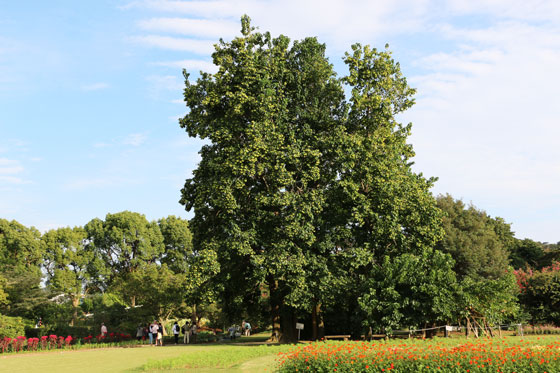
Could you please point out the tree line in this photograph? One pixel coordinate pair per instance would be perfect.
(122, 270)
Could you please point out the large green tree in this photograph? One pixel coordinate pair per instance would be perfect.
(268, 115)
(298, 188)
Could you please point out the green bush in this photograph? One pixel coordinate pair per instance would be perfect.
(206, 337)
(11, 326)
(74, 331)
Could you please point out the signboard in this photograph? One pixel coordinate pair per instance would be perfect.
(299, 326)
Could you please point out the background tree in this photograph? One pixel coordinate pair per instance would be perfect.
(20, 258)
(540, 294)
(190, 270)
(527, 253)
(67, 260)
(479, 245)
(122, 244)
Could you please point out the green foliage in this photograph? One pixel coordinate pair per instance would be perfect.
(540, 294)
(177, 239)
(472, 241)
(122, 243)
(3, 294)
(297, 187)
(527, 253)
(23, 290)
(407, 290)
(495, 299)
(67, 263)
(19, 245)
(268, 113)
(480, 247)
(11, 327)
(20, 274)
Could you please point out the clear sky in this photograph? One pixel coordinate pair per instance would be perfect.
(90, 94)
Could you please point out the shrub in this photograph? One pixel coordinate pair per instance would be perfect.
(11, 327)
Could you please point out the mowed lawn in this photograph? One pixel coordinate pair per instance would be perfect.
(201, 358)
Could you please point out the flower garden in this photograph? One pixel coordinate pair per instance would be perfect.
(533, 354)
(52, 342)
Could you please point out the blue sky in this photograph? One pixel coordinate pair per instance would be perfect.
(90, 94)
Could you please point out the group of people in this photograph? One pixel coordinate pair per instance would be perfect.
(245, 330)
(154, 332)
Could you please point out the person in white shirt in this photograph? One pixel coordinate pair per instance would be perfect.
(176, 331)
(153, 331)
(103, 329)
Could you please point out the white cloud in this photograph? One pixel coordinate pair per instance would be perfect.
(135, 139)
(204, 47)
(538, 10)
(12, 180)
(485, 123)
(338, 22)
(95, 86)
(197, 8)
(10, 166)
(193, 27)
(164, 84)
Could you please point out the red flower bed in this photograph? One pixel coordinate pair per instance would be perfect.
(54, 342)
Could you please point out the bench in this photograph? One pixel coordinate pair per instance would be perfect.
(343, 337)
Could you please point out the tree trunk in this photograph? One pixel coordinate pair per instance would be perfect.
(195, 316)
(133, 301)
(288, 323)
(318, 326)
(275, 311)
(75, 304)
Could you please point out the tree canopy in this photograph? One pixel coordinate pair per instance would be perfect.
(295, 177)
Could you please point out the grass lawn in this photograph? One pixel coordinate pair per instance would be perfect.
(228, 357)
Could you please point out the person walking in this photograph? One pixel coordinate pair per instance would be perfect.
(176, 331)
(139, 332)
(153, 332)
(159, 334)
(186, 333)
(145, 332)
